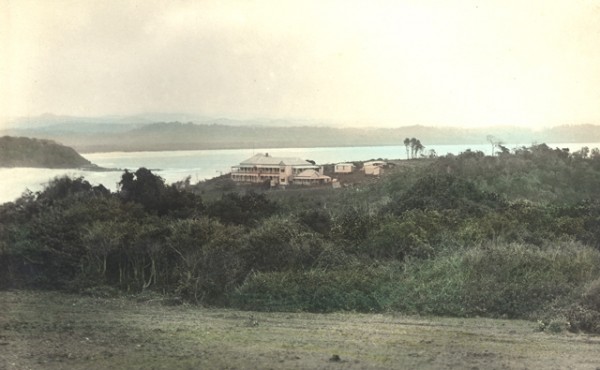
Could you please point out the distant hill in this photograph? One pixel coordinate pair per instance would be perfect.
(26, 152)
(137, 133)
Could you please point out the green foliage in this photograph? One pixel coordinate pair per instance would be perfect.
(246, 209)
(149, 190)
(281, 244)
(208, 260)
(432, 286)
(317, 220)
(584, 314)
(398, 239)
(514, 235)
(442, 192)
(315, 290)
(511, 280)
(516, 279)
(352, 225)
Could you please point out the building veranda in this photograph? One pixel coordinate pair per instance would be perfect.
(279, 171)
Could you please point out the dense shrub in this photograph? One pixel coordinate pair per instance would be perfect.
(515, 280)
(439, 191)
(512, 280)
(434, 286)
(398, 239)
(247, 209)
(208, 262)
(155, 196)
(280, 244)
(584, 314)
(315, 290)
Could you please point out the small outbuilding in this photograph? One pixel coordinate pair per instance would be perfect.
(344, 168)
(311, 177)
(374, 168)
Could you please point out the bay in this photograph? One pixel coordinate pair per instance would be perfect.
(201, 165)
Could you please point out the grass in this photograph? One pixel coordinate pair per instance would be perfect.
(46, 330)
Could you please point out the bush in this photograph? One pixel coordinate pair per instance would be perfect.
(497, 280)
(582, 318)
(591, 296)
(585, 314)
(515, 280)
(281, 244)
(315, 290)
(431, 287)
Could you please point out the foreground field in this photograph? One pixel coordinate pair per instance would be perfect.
(57, 331)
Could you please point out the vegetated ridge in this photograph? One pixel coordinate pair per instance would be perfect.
(28, 152)
(514, 235)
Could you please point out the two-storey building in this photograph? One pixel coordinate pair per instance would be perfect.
(279, 171)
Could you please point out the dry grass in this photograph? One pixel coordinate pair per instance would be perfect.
(57, 331)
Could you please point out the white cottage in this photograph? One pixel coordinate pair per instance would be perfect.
(344, 168)
(374, 168)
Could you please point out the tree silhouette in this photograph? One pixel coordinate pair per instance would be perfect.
(496, 143)
(407, 145)
(418, 147)
(413, 143)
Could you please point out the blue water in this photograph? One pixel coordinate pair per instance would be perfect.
(205, 164)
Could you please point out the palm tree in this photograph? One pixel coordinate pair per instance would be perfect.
(413, 143)
(407, 144)
(418, 147)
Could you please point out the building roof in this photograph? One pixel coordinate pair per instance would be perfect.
(374, 163)
(310, 174)
(346, 164)
(267, 160)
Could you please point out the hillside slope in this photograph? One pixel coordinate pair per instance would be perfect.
(29, 152)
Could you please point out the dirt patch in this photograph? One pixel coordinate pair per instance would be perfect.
(57, 331)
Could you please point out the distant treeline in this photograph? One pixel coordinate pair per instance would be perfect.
(184, 136)
(26, 152)
(514, 235)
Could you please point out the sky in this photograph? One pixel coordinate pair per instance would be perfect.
(355, 63)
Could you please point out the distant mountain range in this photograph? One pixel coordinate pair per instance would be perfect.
(187, 132)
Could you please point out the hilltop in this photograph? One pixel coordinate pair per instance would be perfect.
(29, 152)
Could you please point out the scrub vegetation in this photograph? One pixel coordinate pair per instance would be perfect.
(516, 235)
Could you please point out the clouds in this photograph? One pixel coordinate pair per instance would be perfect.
(354, 62)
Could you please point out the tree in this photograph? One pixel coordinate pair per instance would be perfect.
(413, 142)
(495, 143)
(415, 146)
(150, 191)
(418, 147)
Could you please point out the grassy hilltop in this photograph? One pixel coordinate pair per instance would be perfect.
(515, 235)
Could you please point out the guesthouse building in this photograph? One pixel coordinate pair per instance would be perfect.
(279, 171)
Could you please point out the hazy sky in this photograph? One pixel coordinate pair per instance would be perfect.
(378, 63)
